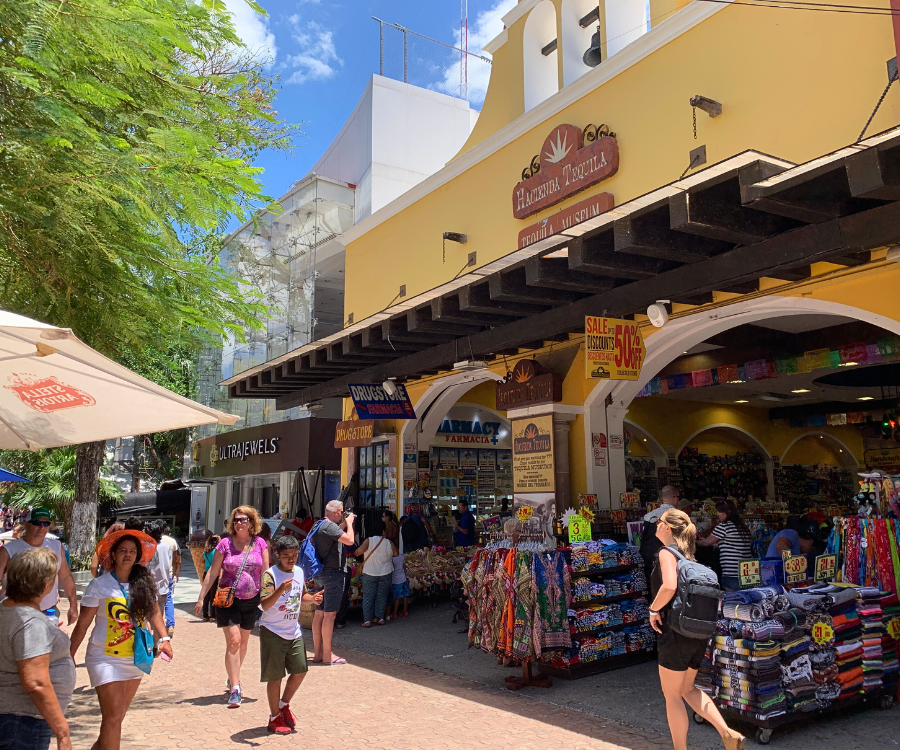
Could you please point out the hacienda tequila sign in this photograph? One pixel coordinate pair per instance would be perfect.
(570, 161)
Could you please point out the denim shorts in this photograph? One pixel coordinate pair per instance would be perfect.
(332, 583)
(24, 733)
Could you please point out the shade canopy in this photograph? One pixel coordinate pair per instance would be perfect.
(56, 390)
(8, 476)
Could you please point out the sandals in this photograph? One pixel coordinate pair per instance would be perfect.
(366, 624)
(733, 742)
(379, 622)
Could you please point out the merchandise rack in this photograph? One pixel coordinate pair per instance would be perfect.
(607, 599)
(765, 727)
(598, 666)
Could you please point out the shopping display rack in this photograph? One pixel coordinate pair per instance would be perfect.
(765, 727)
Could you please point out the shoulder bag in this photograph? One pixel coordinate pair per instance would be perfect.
(143, 638)
(224, 597)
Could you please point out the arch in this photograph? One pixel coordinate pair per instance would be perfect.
(749, 440)
(656, 450)
(541, 72)
(626, 20)
(849, 460)
(575, 40)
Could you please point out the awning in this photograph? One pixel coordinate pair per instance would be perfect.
(154, 503)
(721, 229)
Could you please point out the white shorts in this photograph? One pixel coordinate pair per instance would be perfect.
(103, 669)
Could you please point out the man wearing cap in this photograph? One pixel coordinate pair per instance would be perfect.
(37, 523)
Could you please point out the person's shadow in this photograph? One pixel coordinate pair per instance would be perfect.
(213, 700)
(246, 736)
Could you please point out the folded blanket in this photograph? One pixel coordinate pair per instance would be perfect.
(851, 676)
(807, 602)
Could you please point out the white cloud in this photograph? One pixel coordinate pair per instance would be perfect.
(253, 30)
(317, 59)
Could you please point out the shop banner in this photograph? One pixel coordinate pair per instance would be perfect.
(355, 433)
(373, 402)
(614, 349)
(533, 467)
(492, 524)
(882, 459)
(589, 208)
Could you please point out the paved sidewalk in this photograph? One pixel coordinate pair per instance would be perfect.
(382, 703)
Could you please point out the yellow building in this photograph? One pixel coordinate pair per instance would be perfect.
(711, 160)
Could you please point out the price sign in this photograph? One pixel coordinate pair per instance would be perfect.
(785, 554)
(617, 516)
(587, 500)
(893, 628)
(524, 513)
(587, 514)
(630, 500)
(795, 569)
(579, 529)
(492, 524)
(652, 506)
(748, 573)
(822, 633)
(826, 567)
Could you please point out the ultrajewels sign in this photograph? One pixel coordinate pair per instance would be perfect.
(570, 161)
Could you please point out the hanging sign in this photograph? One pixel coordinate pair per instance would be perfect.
(587, 500)
(749, 573)
(652, 506)
(795, 569)
(617, 516)
(822, 633)
(524, 513)
(355, 433)
(373, 402)
(528, 384)
(492, 524)
(630, 500)
(533, 467)
(570, 161)
(614, 349)
(587, 514)
(579, 529)
(893, 628)
(826, 567)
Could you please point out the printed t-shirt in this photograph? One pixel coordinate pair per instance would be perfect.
(328, 548)
(733, 547)
(26, 633)
(248, 585)
(113, 633)
(792, 536)
(14, 546)
(160, 566)
(283, 617)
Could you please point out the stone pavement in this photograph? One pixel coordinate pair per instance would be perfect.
(373, 702)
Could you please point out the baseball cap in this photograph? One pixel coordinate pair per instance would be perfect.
(654, 515)
(38, 514)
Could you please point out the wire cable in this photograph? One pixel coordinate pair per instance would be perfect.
(776, 4)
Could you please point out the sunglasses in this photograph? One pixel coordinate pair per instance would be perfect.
(241, 519)
(45, 524)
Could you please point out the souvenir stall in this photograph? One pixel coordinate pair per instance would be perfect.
(433, 571)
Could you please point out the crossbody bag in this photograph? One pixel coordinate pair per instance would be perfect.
(225, 594)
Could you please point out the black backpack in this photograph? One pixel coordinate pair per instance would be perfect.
(697, 601)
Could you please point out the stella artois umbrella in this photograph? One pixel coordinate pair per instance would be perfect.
(56, 390)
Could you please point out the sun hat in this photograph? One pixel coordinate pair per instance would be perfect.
(38, 514)
(148, 546)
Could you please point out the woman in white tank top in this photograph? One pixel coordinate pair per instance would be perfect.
(377, 553)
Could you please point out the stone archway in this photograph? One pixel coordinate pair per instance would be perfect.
(840, 448)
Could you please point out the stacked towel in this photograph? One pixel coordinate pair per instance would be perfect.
(890, 608)
(848, 648)
(797, 675)
(872, 630)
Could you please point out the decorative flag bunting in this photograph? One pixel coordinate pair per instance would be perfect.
(835, 420)
(728, 374)
(818, 359)
(702, 378)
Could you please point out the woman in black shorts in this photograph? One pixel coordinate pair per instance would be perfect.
(680, 656)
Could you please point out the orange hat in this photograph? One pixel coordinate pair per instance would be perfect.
(148, 546)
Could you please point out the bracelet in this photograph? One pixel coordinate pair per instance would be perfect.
(654, 611)
(164, 638)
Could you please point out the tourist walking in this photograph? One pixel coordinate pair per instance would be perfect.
(173, 579)
(735, 543)
(680, 656)
(328, 539)
(34, 535)
(281, 648)
(96, 570)
(121, 604)
(239, 561)
(378, 567)
(37, 674)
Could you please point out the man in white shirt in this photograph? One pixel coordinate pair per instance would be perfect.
(37, 523)
(173, 579)
(160, 565)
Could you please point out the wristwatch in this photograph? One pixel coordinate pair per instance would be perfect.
(164, 638)
(654, 612)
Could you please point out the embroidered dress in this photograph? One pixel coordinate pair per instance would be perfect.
(523, 645)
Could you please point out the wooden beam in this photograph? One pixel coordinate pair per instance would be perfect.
(874, 174)
(446, 310)
(395, 329)
(554, 273)
(420, 320)
(477, 298)
(373, 338)
(650, 234)
(512, 286)
(596, 255)
(819, 242)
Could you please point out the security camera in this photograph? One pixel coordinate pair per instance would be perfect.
(658, 314)
(390, 387)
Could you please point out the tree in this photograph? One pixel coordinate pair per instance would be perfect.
(127, 131)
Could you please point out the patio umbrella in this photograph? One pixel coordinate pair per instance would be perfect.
(8, 476)
(56, 390)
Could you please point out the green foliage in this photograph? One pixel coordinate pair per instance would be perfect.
(53, 482)
(127, 131)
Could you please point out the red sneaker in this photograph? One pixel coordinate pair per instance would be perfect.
(278, 726)
(288, 717)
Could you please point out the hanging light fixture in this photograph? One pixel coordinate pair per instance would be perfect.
(593, 57)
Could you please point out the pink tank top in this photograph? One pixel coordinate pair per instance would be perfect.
(249, 583)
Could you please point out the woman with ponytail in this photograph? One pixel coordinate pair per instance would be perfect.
(679, 656)
(116, 601)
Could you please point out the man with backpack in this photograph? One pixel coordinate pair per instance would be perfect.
(328, 538)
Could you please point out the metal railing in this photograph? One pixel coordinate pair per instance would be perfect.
(414, 58)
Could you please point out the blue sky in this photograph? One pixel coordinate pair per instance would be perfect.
(326, 51)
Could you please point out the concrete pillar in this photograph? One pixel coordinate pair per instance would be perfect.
(561, 461)
(597, 471)
(615, 422)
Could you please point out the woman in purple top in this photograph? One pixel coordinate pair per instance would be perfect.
(239, 561)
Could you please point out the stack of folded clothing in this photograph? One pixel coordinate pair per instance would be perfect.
(635, 610)
(848, 645)
(822, 656)
(872, 627)
(639, 638)
(579, 558)
(581, 589)
(748, 676)
(797, 675)
(890, 607)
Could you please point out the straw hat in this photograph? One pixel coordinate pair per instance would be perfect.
(148, 547)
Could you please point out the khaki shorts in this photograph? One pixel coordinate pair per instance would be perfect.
(279, 656)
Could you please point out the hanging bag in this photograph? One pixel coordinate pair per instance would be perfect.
(143, 638)
(308, 559)
(225, 594)
(698, 598)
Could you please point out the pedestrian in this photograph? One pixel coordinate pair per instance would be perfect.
(391, 527)
(209, 551)
(173, 579)
(239, 561)
(161, 564)
(34, 534)
(281, 648)
(328, 538)
(119, 602)
(796, 542)
(464, 536)
(378, 567)
(37, 674)
(400, 585)
(679, 656)
(735, 543)
(95, 560)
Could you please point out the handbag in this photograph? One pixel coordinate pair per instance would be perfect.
(143, 638)
(225, 594)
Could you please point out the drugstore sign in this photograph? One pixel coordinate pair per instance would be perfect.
(614, 349)
(373, 402)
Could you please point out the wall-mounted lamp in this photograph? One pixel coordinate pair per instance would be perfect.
(390, 387)
(459, 237)
(710, 106)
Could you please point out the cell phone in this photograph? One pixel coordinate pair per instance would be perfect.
(164, 656)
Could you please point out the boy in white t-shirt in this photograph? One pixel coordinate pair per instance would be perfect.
(281, 647)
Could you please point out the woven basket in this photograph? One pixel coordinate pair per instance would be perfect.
(307, 612)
